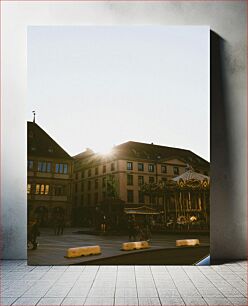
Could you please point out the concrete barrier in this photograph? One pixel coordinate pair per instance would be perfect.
(187, 242)
(137, 245)
(83, 251)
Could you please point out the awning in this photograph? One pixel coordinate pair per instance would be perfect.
(143, 210)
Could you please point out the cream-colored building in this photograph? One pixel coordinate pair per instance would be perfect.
(121, 173)
(49, 178)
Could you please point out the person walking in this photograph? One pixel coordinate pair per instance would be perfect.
(33, 233)
(131, 229)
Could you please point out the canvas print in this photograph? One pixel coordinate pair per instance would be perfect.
(118, 166)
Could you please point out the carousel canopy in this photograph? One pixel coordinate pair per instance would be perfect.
(143, 210)
(191, 175)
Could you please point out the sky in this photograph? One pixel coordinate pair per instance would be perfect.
(99, 86)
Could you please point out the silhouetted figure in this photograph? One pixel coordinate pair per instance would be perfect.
(132, 229)
(33, 233)
(61, 225)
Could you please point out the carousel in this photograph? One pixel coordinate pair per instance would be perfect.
(186, 202)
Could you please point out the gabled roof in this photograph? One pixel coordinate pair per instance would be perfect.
(41, 144)
(148, 152)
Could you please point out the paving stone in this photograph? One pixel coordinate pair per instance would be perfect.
(149, 301)
(99, 301)
(126, 292)
(147, 292)
(126, 283)
(167, 301)
(58, 291)
(123, 301)
(229, 291)
(148, 283)
(75, 268)
(73, 301)
(166, 292)
(194, 301)
(79, 291)
(210, 292)
(101, 292)
(26, 301)
(50, 301)
(239, 301)
(130, 285)
(217, 301)
(5, 301)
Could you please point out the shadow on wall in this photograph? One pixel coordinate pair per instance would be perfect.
(223, 227)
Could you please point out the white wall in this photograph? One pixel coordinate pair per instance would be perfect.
(227, 19)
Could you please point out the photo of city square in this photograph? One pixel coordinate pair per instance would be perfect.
(118, 167)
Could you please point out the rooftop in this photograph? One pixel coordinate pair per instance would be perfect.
(41, 144)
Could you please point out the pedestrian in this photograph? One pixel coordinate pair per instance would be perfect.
(33, 233)
(131, 229)
(61, 225)
(141, 234)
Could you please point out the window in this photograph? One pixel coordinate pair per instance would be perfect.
(96, 184)
(112, 167)
(82, 186)
(37, 188)
(96, 197)
(130, 196)
(41, 189)
(140, 167)
(104, 169)
(129, 166)
(104, 182)
(76, 187)
(163, 169)
(140, 180)
(65, 168)
(89, 185)
(89, 199)
(175, 170)
(141, 197)
(30, 164)
(82, 174)
(47, 189)
(89, 172)
(28, 188)
(82, 199)
(96, 171)
(61, 168)
(151, 180)
(44, 166)
(151, 168)
(59, 190)
(129, 179)
(104, 195)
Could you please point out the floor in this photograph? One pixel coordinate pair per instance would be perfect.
(52, 249)
(123, 285)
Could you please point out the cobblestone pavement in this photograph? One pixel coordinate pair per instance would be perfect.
(52, 249)
(123, 285)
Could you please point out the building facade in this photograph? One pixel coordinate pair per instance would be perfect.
(49, 178)
(122, 174)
